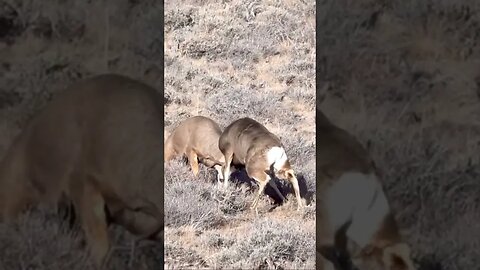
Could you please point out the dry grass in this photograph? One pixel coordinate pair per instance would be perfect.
(404, 78)
(45, 46)
(226, 60)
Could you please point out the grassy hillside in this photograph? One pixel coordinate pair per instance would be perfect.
(403, 76)
(226, 60)
(45, 46)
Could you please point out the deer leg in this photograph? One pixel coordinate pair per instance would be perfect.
(192, 160)
(90, 205)
(296, 188)
(226, 167)
(218, 168)
(261, 188)
(262, 178)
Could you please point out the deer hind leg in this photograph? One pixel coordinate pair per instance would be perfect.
(294, 181)
(193, 161)
(90, 205)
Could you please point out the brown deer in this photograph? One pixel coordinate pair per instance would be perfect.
(247, 142)
(99, 144)
(356, 223)
(197, 139)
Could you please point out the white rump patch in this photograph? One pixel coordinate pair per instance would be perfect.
(358, 197)
(277, 156)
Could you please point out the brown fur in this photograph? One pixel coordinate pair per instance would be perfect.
(339, 152)
(99, 144)
(246, 142)
(197, 139)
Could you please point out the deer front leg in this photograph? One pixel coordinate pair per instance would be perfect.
(90, 205)
(226, 167)
(193, 161)
(262, 178)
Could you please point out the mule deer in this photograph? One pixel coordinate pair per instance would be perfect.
(99, 144)
(247, 142)
(353, 206)
(197, 139)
